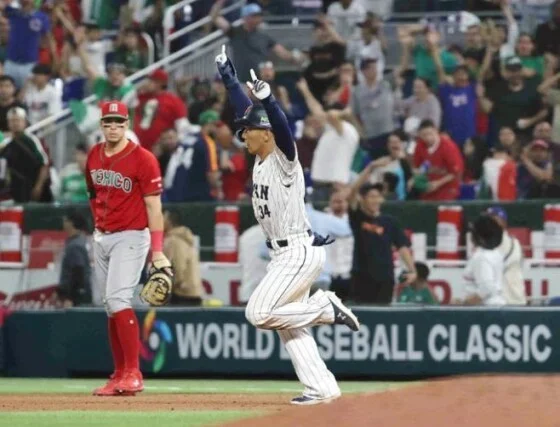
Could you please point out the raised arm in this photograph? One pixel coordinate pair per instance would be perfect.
(353, 196)
(278, 121)
(236, 93)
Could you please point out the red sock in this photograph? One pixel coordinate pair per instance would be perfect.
(116, 349)
(129, 337)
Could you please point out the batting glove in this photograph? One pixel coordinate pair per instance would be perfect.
(260, 88)
(225, 67)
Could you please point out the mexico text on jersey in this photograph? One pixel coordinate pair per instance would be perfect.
(118, 185)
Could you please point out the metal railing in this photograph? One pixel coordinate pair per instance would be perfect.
(169, 36)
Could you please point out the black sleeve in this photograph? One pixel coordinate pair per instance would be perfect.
(407, 170)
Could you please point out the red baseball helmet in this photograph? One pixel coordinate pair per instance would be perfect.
(114, 109)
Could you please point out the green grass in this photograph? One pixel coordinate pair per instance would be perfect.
(152, 418)
(39, 385)
(120, 419)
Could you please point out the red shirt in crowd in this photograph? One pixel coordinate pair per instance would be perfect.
(441, 160)
(155, 114)
(119, 184)
(234, 181)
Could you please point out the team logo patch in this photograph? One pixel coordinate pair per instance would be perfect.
(156, 335)
(113, 108)
(264, 120)
(35, 24)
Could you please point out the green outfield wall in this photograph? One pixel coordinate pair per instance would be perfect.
(391, 342)
(420, 217)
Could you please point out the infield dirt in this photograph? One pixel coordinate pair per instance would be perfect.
(481, 401)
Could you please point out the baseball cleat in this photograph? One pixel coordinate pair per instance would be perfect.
(304, 400)
(109, 388)
(131, 382)
(342, 314)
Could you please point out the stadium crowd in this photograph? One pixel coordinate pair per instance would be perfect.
(472, 120)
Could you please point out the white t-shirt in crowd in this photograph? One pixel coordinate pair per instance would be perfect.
(345, 20)
(96, 52)
(483, 276)
(42, 103)
(333, 156)
(513, 282)
(340, 255)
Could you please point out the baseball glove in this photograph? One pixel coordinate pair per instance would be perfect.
(159, 286)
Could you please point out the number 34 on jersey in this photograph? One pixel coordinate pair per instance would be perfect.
(260, 193)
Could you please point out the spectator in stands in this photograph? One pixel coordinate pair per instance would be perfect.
(422, 104)
(457, 95)
(128, 51)
(253, 268)
(419, 291)
(547, 35)
(199, 91)
(345, 15)
(341, 92)
(422, 58)
(508, 139)
(533, 64)
(339, 254)
(268, 74)
(369, 45)
(4, 36)
(551, 93)
(96, 48)
(484, 270)
(73, 187)
(499, 177)
(535, 171)
(474, 41)
(27, 26)
(70, 65)
(475, 152)
(159, 109)
(26, 160)
(192, 173)
(307, 141)
(513, 102)
(510, 248)
(325, 55)
(74, 285)
(8, 100)
(235, 171)
(396, 163)
(42, 98)
(375, 235)
(250, 45)
(332, 160)
(180, 248)
(437, 158)
(166, 146)
(373, 104)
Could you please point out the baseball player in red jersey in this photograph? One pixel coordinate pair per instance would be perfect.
(124, 185)
(159, 110)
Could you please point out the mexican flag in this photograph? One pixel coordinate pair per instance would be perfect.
(87, 116)
(500, 179)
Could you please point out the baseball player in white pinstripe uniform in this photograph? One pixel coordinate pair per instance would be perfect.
(281, 301)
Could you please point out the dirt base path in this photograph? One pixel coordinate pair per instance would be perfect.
(144, 402)
(485, 401)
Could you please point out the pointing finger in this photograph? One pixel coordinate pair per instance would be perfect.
(223, 49)
(253, 75)
(250, 85)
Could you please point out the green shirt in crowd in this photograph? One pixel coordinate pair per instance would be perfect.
(412, 295)
(426, 67)
(133, 60)
(73, 187)
(534, 63)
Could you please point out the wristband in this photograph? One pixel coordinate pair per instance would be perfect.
(156, 238)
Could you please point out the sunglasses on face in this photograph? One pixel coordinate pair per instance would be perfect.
(110, 120)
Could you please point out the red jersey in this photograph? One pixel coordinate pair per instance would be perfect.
(155, 114)
(235, 181)
(445, 159)
(118, 185)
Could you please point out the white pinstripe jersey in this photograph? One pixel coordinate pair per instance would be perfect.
(278, 193)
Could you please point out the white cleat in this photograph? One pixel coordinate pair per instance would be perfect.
(304, 400)
(342, 314)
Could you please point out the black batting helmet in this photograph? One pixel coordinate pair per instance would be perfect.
(486, 232)
(255, 117)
